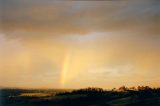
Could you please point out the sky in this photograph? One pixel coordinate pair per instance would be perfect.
(77, 44)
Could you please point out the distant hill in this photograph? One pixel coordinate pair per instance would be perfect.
(140, 96)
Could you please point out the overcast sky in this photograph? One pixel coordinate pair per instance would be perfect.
(75, 44)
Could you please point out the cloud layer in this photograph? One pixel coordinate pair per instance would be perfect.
(108, 40)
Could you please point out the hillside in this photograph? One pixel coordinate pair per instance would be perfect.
(81, 97)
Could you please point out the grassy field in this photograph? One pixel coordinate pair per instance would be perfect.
(82, 97)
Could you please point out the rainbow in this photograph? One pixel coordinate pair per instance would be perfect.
(65, 68)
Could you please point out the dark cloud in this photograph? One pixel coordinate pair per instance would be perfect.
(62, 18)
